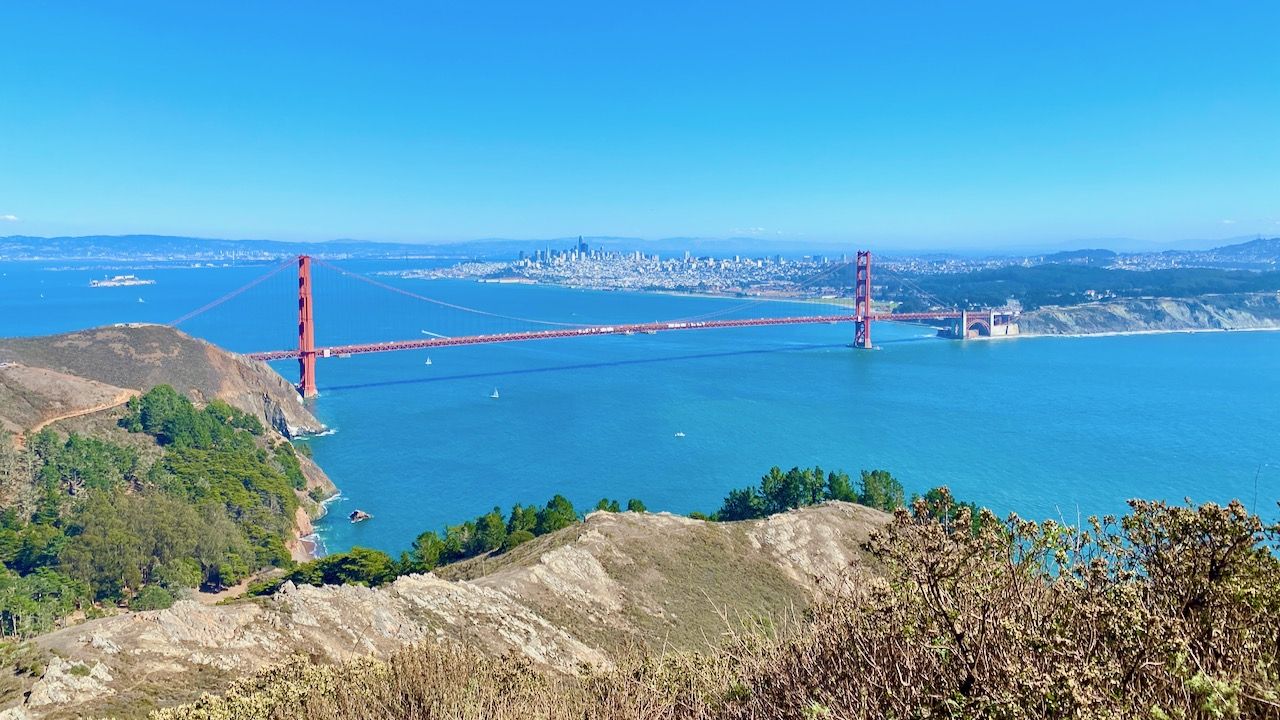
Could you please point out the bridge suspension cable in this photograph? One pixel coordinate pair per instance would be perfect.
(424, 298)
(247, 286)
(911, 284)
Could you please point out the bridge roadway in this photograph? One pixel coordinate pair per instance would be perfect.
(590, 330)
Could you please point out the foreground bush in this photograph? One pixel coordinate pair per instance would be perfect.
(1170, 612)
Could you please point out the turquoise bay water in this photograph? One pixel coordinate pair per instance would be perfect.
(1047, 427)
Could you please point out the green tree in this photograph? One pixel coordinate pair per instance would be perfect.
(635, 506)
(457, 538)
(608, 505)
(557, 514)
(426, 552)
(880, 490)
(742, 504)
(522, 518)
(31, 604)
(839, 487)
(358, 566)
(38, 545)
(87, 463)
(490, 532)
(784, 491)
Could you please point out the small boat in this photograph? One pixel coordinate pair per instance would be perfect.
(495, 394)
(428, 362)
(359, 516)
(141, 300)
(679, 434)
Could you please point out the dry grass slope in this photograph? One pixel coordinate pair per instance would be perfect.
(139, 357)
(1169, 613)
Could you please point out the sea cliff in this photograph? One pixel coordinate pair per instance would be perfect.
(1246, 311)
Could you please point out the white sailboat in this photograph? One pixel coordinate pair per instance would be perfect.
(428, 362)
(495, 394)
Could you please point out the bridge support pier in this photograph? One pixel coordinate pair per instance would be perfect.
(306, 330)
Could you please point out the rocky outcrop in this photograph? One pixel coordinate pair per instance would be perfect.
(139, 357)
(564, 600)
(1210, 312)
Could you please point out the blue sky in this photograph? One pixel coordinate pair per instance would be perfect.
(932, 124)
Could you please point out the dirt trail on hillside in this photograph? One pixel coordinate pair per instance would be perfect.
(120, 399)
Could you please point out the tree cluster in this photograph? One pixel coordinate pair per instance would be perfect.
(491, 532)
(799, 487)
(94, 522)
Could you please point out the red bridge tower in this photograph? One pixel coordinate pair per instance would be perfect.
(862, 302)
(306, 330)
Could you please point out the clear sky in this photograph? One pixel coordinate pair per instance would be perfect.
(931, 124)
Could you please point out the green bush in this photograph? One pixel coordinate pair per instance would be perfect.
(358, 566)
(607, 505)
(516, 538)
(151, 597)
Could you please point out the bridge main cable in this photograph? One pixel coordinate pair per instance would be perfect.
(442, 303)
(247, 286)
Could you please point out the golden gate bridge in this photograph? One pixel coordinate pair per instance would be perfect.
(965, 323)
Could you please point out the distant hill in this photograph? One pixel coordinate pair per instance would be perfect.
(167, 247)
(1262, 250)
(1259, 254)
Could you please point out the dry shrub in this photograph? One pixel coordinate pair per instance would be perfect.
(1172, 612)
(1169, 612)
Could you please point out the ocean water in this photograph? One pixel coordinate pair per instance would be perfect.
(1047, 427)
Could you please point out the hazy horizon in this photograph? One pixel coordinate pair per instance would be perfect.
(746, 243)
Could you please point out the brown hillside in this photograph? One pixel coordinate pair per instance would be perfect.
(574, 597)
(32, 397)
(139, 357)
